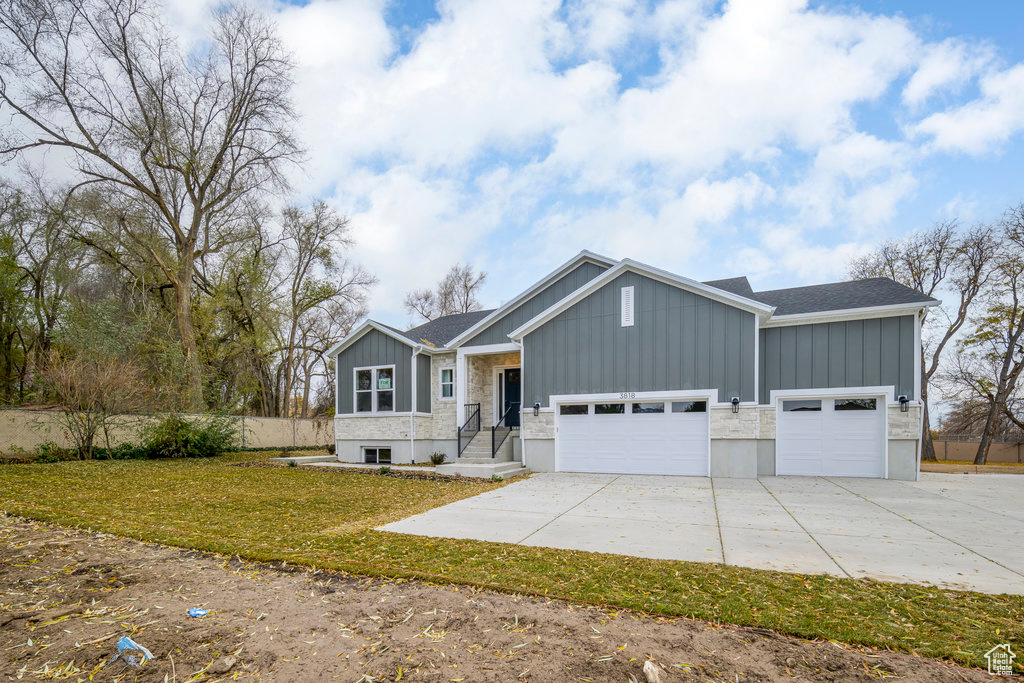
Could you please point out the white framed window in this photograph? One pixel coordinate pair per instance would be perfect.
(377, 455)
(627, 306)
(447, 384)
(374, 389)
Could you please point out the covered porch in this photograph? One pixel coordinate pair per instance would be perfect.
(489, 401)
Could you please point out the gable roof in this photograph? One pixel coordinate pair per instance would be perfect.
(756, 307)
(736, 285)
(440, 331)
(365, 327)
(841, 296)
(495, 314)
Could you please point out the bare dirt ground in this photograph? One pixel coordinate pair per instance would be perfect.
(67, 596)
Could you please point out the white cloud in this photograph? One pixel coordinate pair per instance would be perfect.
(948, 65)
(981, 124)
(767, 137)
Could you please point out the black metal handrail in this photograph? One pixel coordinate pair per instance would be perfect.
(502, 427)
(472, 426)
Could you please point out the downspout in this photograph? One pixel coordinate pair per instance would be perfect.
(522, 400)
(412, 408)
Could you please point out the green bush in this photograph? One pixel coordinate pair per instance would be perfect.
(176, 437)
(51, 452)
(437, 457)
(385, 469)
(124, 451)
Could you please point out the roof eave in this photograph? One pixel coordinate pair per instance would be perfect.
(362, 329)
(494, 315)
(761, 310)
(859, 313)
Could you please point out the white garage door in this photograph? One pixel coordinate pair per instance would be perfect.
(839, 437)
(632, 437)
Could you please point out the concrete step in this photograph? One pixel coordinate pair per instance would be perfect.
(483, 470)
(483, 460)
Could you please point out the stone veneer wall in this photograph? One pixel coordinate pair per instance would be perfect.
(540, 427)
(480, 382)
(443, 411)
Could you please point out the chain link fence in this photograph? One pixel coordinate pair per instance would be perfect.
(25, 429)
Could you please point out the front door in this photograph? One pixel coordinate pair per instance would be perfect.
(511, 394)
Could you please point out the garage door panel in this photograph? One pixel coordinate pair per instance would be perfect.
(634, 443)
(830, 442)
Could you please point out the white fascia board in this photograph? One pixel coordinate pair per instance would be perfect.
(756, 307)
(365, 327)
(564, 269)
(887, 311)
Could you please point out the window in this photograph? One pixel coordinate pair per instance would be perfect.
(627, 307)
(801, 406)
(447, 382)
(573, 409)
(610, 409)
(377, 455)
(689, 406)
(375, 390)
(855, 404)
(648, 408)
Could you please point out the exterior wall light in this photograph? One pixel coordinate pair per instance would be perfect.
(536, 410)
(904, 404)
(735, 404)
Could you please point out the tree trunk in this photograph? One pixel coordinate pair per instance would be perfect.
(986, 435)
(927, 445)
(187, 332)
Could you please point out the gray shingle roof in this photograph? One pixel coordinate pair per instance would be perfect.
(734, 285)
(837, 296)
(442, 330)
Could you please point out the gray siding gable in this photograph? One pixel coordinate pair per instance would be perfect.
(850, 353)
(680, 341)
(497, 331)
(376, 348)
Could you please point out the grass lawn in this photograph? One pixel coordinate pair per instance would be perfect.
(326, 519)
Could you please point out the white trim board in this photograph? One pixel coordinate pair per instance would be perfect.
(566, 268)
(628, 265)
(888, 311)
(368, 325)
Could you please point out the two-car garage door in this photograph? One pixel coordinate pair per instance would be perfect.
(634, 437)
(840, 437)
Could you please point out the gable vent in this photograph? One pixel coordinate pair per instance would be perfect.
(627, 307)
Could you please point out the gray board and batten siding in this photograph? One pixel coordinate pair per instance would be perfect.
(372, 349)
(850, 353)
(422, 383)
(679, 341)
(498, 330)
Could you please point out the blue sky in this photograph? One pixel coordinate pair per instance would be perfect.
(769, 138)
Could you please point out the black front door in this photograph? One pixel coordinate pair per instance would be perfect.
(512, 395)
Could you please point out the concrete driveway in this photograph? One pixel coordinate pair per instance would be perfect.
(954, 531)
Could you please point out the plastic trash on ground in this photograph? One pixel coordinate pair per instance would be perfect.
(197, 612)
(131, 653)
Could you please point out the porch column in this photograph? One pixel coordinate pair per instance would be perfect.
(460, 387)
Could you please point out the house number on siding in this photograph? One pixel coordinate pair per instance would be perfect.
(627, 394)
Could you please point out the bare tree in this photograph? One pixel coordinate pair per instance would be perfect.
(325, 291)
(455, 293)
(181, 140)
(92, 391)
(935, 262)
(991, 357)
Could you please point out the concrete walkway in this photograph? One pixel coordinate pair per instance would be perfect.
(954, 531)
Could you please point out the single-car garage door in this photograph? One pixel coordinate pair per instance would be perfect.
(839, 437)
(634, 437)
